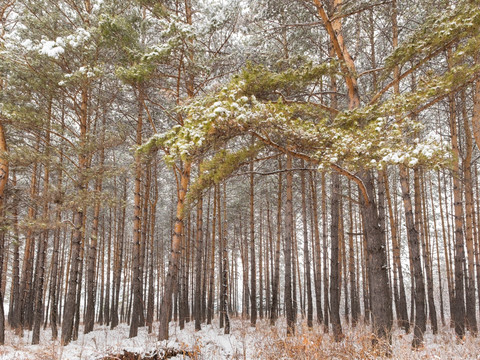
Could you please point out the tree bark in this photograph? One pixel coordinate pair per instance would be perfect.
(166, 304)
(334, 259)
(276, 274)
(78, 230)
(306, 252)
(318, 260)
(253, 269)
(414, 250)
(288, 251)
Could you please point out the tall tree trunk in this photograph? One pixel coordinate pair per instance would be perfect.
(459, 300)
(137, 235)
(211, 290)
(326, 296)
(92, 254)
(198, 265)
(306, 253)
(118, 263)
(397, 263)
(15, 288)
(3, 183)
(440, 287)
(151, 284)
(318, 260)
(471, 318)
(25, 303)
(428, 259)
(224, 280)
(276, 274)
(288, 250)
(43, 243)
(414, 251)
(334, 259)
(253, 269)
(354, 301)
(78, 229)
(166, 304)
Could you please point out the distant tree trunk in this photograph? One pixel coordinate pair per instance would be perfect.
(15, 288)
(343, 263)
(445, 248)
(211, 290)
(295, 269)
(117, 268)
(220, 257)
(268, 262)
(205, 272)
(397, 263)
(326, 305)
(112, 226)
(417, 219)
(414, 250)
(260, 264)
(440, 287)
(244, 255)
(288, 250)
(276, 274)
(151, 284)
(354, 301)
(334, 259)
(318, 260)
(365, 275)
(253, 269)
(223, 239)
(306, 253)
(428, 259)
(198, 265)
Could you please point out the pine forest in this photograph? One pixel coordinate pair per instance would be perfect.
(239, 179)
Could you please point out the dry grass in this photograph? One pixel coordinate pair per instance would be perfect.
(313, 344)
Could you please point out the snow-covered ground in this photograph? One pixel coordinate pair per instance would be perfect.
(245, 342)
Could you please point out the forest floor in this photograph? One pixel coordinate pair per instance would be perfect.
(245, 342)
